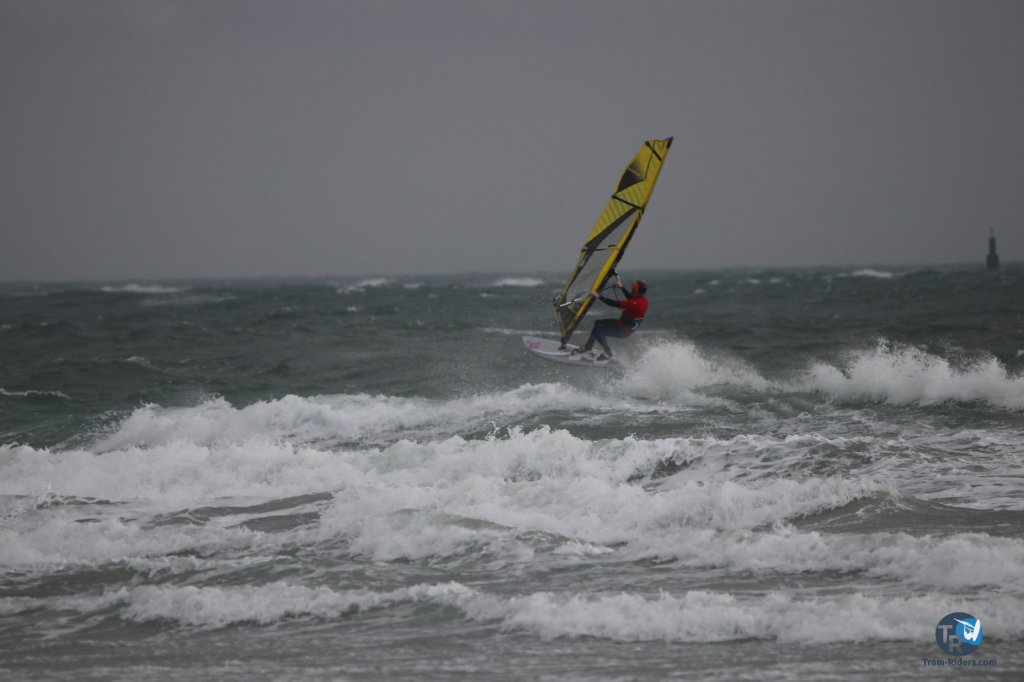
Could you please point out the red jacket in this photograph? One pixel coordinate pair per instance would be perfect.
(634, 309)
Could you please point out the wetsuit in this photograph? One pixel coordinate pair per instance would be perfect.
(634, 308)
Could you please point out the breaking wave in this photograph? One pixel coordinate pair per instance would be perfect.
(690, 616)
(902, 375)
(519, 282)
(141, 289)
(886, 373)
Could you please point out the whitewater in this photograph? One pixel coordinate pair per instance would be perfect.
(795, 475)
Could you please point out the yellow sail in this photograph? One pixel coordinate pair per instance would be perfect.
(611, 234)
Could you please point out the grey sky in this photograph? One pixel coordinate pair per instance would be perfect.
(146, 139)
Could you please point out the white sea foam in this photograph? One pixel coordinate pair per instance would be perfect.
(363, 285)
(141, 361)
(141, 289)
(704, 616)
(688, 616)
(519, 282)
(409, 499)
(404, 485)
(215, 607)
(490, 498)
(968, 560)
(869, 272)
(888, 373)
(61, 540)
(342, 418)
(672, 370)
(901, 375)
(31, 394)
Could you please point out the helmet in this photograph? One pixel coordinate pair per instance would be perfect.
(639, 286)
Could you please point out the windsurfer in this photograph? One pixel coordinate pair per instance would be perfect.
(634, 308)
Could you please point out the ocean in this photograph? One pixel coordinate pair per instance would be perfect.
(795, 475)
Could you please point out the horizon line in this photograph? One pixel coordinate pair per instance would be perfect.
(490, 273)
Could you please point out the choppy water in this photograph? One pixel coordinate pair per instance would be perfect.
(797, 474)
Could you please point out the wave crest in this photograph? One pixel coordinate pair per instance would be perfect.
(692, 616)
(902, 375)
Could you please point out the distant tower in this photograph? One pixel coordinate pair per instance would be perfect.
(992, 262)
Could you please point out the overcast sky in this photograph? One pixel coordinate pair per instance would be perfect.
(156, 139)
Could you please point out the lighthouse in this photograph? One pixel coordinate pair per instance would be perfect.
(992, 262)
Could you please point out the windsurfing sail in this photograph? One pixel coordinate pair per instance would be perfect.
(611, 234)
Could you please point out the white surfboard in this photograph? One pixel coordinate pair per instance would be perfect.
(549, 349)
